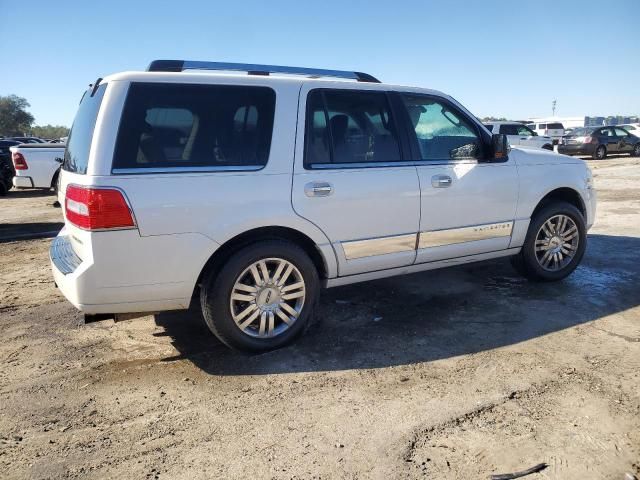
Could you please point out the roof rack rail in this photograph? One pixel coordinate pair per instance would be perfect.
(255, 69)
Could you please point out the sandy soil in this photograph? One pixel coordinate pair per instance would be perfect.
(457, 373)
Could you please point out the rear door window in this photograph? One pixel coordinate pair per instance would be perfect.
(509, 129)
(349, 127)
(76, 156)
(555, 126)
(195, 126)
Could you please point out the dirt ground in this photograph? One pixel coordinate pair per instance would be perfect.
(452, 374)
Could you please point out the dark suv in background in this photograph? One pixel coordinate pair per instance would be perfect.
(599, 142)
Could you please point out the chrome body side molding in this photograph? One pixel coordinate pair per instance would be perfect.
(379, 246)
(406, 243)
(438, 238)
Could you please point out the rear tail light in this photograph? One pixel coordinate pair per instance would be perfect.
(19, 162)
(97, 208)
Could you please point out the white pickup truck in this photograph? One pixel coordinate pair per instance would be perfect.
(37, 164)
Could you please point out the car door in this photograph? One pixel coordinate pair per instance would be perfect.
(527, 138)
(608, 139)
(624, 143)
(468, 200)
(350, 178)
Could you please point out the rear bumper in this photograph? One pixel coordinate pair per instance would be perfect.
(23, 182)
(122, 272)
(578, 149)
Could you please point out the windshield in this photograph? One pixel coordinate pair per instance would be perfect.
(76, 155)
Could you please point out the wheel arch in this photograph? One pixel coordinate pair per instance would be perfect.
(228, 248)
(564, 194)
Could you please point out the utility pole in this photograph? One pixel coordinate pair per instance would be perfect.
(553, 108)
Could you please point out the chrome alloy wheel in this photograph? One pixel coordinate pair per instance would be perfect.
(556, 242)
(267, 297)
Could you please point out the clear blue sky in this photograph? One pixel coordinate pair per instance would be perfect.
(500, 58)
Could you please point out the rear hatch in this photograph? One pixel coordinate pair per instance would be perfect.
(75, 166)
(554, 130)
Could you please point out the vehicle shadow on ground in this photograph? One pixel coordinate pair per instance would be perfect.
(11, 232)
(430, 315)
(28, 193)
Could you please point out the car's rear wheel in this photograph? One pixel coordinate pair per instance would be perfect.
(600, 152)
(636, 150)
(262, 298)
(547, 147)
(554, 245)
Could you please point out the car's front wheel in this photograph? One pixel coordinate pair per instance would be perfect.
(636, 150)
(554, 245)
(262, 298)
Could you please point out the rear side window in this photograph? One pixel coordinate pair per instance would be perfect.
(192, 126)
(76, 155)
(489, 127)
(555, 126)
(349, 127)
(509, 129)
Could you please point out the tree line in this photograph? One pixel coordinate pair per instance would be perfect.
(15, 120)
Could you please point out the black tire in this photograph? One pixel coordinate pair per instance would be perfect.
(526, 262)
(54, 182)
(4, 189)
(600, 153)
(636, 150)
(215, 295)
(547, 147)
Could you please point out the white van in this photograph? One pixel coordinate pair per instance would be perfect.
(555, 130)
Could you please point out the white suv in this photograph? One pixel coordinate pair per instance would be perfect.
(520, 135)
(248, 192)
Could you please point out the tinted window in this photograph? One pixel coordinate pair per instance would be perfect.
(489, 127)
(441, 132)
(509, 129)
(76, 155)
(605, 132)
(349, 127)
(554, 126)
(177, 125)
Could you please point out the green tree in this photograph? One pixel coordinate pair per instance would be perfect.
(50, 131)
(14, 118)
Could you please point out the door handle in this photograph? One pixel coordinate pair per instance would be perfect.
(441, 181)
(318, 189)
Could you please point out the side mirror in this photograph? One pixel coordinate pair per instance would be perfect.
(500, 146)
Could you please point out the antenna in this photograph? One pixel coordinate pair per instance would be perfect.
(553, 107)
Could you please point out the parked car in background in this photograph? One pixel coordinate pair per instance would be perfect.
(28, 139)
(520, 135)
(36, 164)
(632, 128)
(599, 142)
(7, 171)
(555, 130)
(246, 193)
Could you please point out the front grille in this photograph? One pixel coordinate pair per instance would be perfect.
(63, 256)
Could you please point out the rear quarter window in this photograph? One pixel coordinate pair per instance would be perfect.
(76, 155)
(194, 126)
